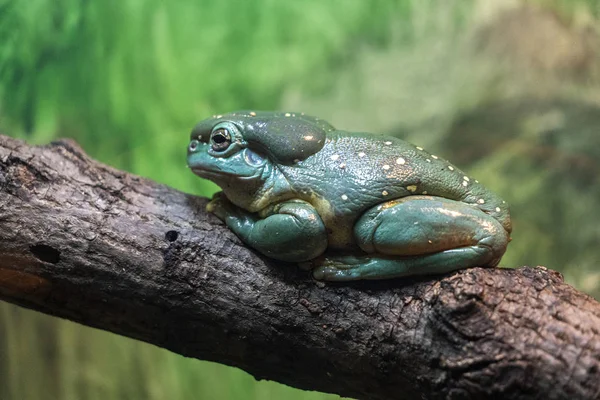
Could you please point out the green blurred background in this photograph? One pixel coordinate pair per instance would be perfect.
(507, 89)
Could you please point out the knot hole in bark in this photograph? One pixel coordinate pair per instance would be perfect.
(45, 253)
(171, 236)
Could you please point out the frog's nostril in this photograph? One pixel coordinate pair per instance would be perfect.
(193, 145)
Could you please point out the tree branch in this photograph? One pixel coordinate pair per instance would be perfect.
(86, 242)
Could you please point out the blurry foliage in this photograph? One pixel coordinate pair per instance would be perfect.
(128, 79)
(572, 8)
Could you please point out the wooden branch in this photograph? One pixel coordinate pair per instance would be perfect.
(86, 242)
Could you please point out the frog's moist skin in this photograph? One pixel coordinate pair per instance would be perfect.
(350, 205)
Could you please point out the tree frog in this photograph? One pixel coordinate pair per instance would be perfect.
(347, 205)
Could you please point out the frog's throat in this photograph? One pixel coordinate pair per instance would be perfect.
(254, 195)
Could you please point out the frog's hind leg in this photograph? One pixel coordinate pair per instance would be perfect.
(418, 235)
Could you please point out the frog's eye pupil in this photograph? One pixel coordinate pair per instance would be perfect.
(221, 139)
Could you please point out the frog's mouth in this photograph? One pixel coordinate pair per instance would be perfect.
(213, 174)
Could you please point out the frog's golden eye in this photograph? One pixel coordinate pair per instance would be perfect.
(220, 139)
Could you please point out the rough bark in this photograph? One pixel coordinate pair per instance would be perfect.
(86, 242)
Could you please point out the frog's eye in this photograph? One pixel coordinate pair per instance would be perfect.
(220, 139)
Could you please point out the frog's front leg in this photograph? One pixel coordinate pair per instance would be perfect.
(288, 231)
(418, 235)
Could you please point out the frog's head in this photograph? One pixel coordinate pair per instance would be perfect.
(241, 151)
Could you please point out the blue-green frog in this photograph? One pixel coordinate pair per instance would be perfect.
(348, 205)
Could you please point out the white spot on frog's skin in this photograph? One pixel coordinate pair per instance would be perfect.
(386, 167)
(466, 178)
(344, 197)
(296, 160)
(419, 148)
(335, 157)
(428, 160)
(450, 167)
(342, 165)
(465, 183)
(434, 156)
(476, 181)
(451, 213)
(388, 143)
(252, 114)
(503, 202)
(309, 137)
(430, 242)
(288, 114)
(219, 116)
(411, 188)
(481, 201)
(361, 154)
(424, 191)
(385, 193)
(400, 161)
(497, 209)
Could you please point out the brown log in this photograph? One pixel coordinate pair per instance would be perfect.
(108, 249)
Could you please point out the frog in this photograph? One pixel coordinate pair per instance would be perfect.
(345, 205)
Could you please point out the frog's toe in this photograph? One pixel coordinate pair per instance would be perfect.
(215, 206)
(332, 273)
(321, 273)
(338, 268)
(220, 206)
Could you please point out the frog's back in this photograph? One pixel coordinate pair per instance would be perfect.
(363, 170)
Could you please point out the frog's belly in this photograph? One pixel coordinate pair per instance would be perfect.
(340, 234)
(340, 226)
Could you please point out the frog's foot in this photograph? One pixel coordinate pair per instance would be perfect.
(289, 231)
(221, 206)
(418, 235)
(332, 262)
(379, 266)
(339, 267)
